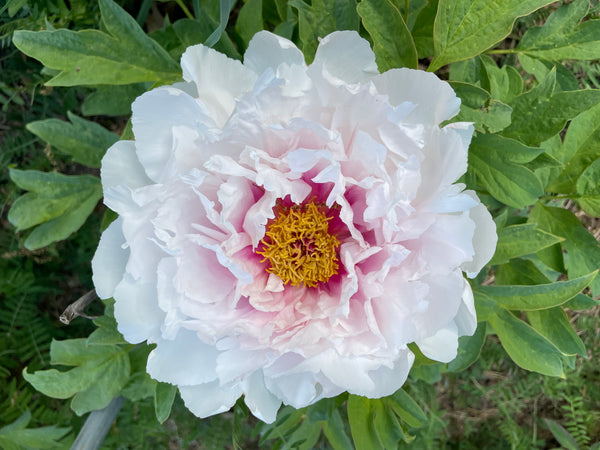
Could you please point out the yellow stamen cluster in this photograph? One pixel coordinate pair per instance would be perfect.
(299, 247)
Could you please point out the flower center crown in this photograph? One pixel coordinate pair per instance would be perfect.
(299, 247)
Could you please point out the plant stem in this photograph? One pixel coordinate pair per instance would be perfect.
(184, 9)
(406, 2)
(96, 426)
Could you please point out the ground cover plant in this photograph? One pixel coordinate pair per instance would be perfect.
(527, 75)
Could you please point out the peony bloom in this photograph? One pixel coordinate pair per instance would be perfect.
(286, 230)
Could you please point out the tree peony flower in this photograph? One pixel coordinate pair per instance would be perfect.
(286, 230)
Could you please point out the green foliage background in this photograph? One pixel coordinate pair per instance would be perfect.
(528, 75)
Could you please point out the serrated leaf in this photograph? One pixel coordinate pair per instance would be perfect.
(534, 297)
(469, 348)
(583, 250)
(122, 55)
(554, 325)
(99, 375)
(164, 395)
(393, 44)
(57, 204)
(322, 17)
(563, 36)
(521, 240)
(497, 162)
(526, 347)
(541, 113)
(465, 28)
(85, 141)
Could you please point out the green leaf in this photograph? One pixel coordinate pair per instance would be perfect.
(588, 189)
(84, 140)
(583, 250)
(164, 395)
(477, 106)
(16, 436)
(335, 433)
(563, 37)
(99, 375)
(554, 325)
(581, 302)
(422, 30)
(250, 20)
(526, 347)
(465, 28)
(469, 349)
(580, 149)
(505, 83)
(387, 426)
(106, 333)
(534, 297)
(139, 387)
(112, 100)
(497, 162)
(393, 44)
(521, 272)
(520, 240)
(122, 55)
(541, 113)
(360, 417)
(321, 18)
(406, 408)
(562, 436)
(60, 203)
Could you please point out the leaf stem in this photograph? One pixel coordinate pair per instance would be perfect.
(406, 2)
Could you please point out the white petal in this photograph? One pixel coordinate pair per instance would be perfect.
(136, 310)
(434, 99)
(208, 399)
(155, 114)
(466, 317)
(484, 239)
(267, 51)
(261, 402)
(442, 346)
(184, 361)
(220, 80)
(389, 380)
(110, 259)
(121, 165)
(346, 56)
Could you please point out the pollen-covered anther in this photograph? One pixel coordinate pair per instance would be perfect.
(299, 247)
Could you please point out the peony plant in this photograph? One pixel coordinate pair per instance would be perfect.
(298, 222)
